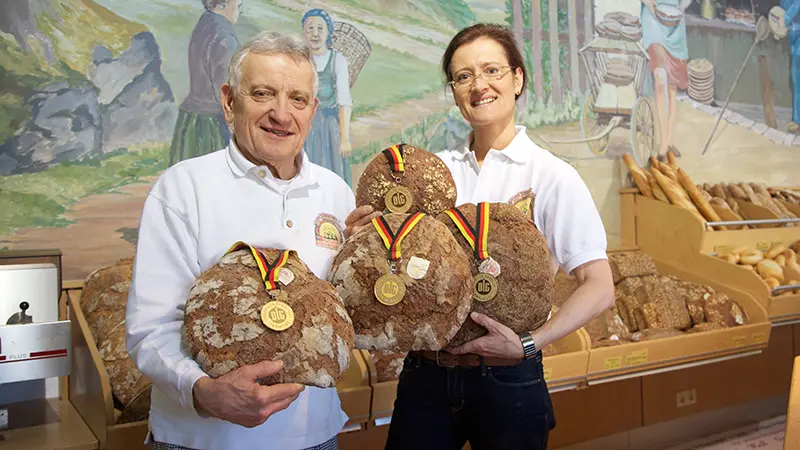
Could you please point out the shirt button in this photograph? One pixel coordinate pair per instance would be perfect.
(262, 173)
(289, 223)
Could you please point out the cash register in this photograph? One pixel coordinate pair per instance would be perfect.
(35, 350)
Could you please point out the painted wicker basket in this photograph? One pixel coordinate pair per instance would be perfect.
(354, 45)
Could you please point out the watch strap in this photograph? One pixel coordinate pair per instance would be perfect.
(528, 345)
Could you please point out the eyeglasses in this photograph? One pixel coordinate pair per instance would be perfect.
(491, 73)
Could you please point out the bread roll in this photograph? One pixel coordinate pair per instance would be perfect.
(751, 257)
(638, 175)
(717, 191)
(737, 192)
(772, 282)
(775, 251)
(768, 268)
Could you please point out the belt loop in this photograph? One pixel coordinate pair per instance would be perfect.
(483, 365)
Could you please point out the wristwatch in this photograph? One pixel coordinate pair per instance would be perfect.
(528, 345)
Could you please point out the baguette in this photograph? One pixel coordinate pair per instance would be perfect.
(638, 175)
(760, 189)
(718, 191)
(654, 163)
(736, 191)
(669, 172)
(674, 193)
(657, 192)
(751, 194)
(702, 204)
(673, 161)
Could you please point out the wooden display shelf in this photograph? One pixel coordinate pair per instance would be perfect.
(671, 233)
(68, 433)
(660, 355)
(90, 389)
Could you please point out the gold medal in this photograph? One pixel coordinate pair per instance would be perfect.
(485, 287)
(277, 316)
(390, 289)
(399, 199)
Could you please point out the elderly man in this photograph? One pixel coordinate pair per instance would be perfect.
(263, 190)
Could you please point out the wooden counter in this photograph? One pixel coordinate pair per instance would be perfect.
(68, 433)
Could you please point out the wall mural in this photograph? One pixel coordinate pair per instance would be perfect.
(98, 97)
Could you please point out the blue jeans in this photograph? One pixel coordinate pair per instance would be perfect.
(492, 407)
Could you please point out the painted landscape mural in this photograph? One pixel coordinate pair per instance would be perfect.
(98, 97)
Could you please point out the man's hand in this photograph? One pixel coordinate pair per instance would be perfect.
(238, 398)
(501, 342)
(358, 218)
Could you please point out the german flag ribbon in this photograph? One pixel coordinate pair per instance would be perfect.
(269, 272)
(391, 240)
(476, 236)
(395, 156)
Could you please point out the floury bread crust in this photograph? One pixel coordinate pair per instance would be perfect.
(104, 298)
(526, 284)
(434, 307)
(425, 175)
(224, 331)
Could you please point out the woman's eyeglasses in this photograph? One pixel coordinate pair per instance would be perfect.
(464, 80)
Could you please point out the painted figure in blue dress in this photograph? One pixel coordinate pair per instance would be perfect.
(792, 20)
(328, 142)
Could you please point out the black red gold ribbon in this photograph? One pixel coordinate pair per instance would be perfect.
(477, 236)
(395, 156)
(392, 240)
(269, 272)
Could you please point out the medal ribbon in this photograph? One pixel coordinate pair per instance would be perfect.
(395, 156)
(269, 272)
(391, 240)
(477, 237)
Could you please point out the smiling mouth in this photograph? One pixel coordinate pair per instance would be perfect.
(484, 101)
(278, 133)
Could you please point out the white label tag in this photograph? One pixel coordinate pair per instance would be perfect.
(490, 266)
(417, 267)
(285, 276)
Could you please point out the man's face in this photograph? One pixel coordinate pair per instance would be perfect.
(316, 32)
(272, 111)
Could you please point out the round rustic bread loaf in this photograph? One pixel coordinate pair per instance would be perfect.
(103, 299)
(425, 175)
(224, 330)
(388, 364)
(434, 306)
(526, 284)
(138, 408)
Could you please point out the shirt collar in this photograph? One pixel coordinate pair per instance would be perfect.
(241, 167)
(518, 150)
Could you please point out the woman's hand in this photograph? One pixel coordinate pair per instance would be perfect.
(345, 149)
(501, 342)
(358, 218)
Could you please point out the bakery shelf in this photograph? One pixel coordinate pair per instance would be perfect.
(90, 388)
(607, 364)
(673, 234)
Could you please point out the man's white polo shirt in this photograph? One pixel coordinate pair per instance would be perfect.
(194, 213)
(524, 173)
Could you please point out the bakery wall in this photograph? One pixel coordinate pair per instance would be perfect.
(93, 100)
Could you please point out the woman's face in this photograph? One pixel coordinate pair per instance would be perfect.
(316, 32)
(489, 94)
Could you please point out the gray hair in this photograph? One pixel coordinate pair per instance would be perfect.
(213, 4)
(271, 42)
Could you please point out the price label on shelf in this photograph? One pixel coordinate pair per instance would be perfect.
(739, 341)
(759, 338)
(722, 248)
(636, 358)
(548, 374)
(763, 246)
(615, 362)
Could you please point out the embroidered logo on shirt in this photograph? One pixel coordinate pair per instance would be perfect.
(523, 200)
(328, 232)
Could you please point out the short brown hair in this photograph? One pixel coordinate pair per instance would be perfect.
(500, 34)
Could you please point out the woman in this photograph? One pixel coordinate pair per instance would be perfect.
(328, 142)
(499, 400)
(201, 126)
(668, 52)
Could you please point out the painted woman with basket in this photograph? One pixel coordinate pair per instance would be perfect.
(664, 38)
(328, 142)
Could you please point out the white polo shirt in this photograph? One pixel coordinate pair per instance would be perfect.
(523, 172)
(194, 213)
